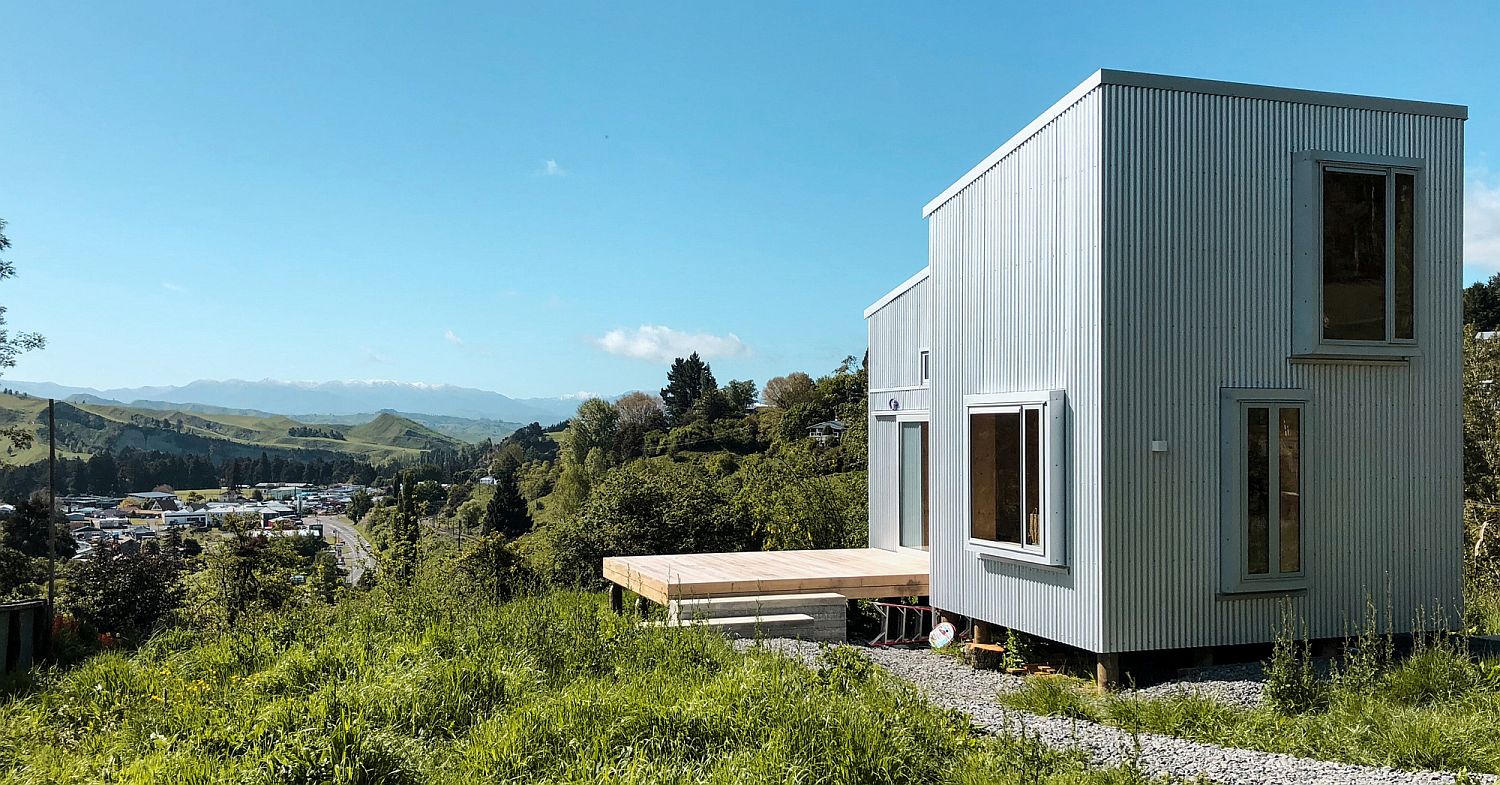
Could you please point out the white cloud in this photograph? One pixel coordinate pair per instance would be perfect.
(1482, 223)
(371, 356)
(452, 337)
(661, 344)
(173, 287)
(551, 168)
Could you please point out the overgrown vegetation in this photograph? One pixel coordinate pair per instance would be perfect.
(436, 683)
(1434, 709)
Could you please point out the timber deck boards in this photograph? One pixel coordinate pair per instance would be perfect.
(852, 572)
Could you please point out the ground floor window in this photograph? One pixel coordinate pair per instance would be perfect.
(913, 484)
(1262, 489)
(1015, 476)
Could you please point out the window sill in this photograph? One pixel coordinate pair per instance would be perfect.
(1346, 354)
(1250, 590)
(986, 549)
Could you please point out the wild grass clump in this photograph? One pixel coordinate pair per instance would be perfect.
(1436, 708)
(425, 686)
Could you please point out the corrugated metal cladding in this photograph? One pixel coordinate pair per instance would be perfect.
(1197, 296)
(1015, 288)
(898, 333)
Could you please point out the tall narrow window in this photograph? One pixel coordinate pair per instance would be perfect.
(1263, 492)
(924, 361)
(913, 485)
(1354, 279)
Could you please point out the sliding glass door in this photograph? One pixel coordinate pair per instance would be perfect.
(913, 485)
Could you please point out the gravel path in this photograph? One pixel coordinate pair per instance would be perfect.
(952, 684)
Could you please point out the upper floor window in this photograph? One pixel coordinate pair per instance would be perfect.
(926, 373)
(1355, 230)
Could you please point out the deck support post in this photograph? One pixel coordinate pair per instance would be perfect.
(642, 606)
(984, 632)
(1107, 671)
(617, 598)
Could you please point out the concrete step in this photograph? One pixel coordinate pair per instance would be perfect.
(825, 605)
(777, 625)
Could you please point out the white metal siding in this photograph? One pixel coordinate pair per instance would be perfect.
(1015, 272)
(898, 332)
(1197, 296)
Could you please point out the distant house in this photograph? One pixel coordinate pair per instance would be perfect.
(487, 480)
(155, 500)
(826, 431)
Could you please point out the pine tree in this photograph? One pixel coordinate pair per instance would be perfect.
(506, 512)
(688, 381)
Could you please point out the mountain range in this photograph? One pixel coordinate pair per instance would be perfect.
(308, 401)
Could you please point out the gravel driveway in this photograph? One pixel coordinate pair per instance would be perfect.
(952, 684)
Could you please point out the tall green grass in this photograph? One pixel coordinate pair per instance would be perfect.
(422, 686)
(1434, 710)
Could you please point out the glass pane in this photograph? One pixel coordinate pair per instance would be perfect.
(1353, 256)
(1258, 489)
(995, 477)
(982, 476)
(1033, 499)
(1290, 438)
(926, 496)
(913, 484)
(1406, 253)
(1008, 477)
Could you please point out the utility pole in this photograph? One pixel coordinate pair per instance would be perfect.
(51, 518)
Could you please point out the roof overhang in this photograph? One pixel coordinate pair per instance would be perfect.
(1190, 85)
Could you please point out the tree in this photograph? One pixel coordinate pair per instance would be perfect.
(492, 566)
(359, 505)
(784, 392)
(688, 381)
(125, 593)
(640, 414)
(26, 530)
(12, 346)
(1482, 304)
(740, 395)
(506, 513)
(593, 427)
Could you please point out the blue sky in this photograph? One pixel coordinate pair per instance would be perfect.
(503, 197)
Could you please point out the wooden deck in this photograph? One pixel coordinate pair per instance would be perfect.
(852, 572)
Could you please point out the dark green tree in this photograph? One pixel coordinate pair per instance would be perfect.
(1482, 304)
(740, 395)
(125, 592)
(506, 513)
(26, 530)
(359, 505)
(688, 380)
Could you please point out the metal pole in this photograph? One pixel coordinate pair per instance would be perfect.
(51, 503)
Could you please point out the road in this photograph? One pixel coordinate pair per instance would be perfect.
(347, 543)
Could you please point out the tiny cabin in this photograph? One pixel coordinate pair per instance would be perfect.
(1184, 351)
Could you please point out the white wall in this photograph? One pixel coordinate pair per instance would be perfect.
(898, 332)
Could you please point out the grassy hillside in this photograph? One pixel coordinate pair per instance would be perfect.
(87, 429)
(409, 688)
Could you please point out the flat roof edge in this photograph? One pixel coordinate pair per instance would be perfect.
(891, 296)
(1190, 85)
(1187, 84)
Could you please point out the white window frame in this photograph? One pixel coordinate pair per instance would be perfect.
(1052, 552)
(1234, 558)
(901, 420)
(1307, 255)
(924, 366)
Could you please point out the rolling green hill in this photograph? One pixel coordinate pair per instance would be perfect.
(86, 429)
